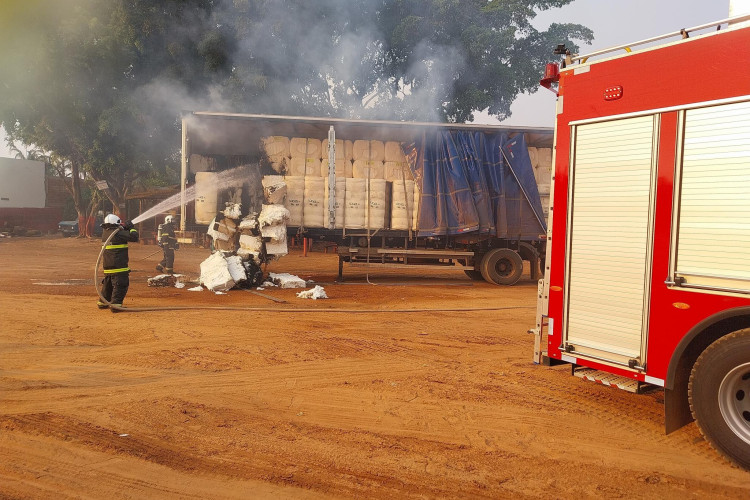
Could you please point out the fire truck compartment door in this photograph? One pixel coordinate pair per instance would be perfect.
(713, 242)
(609, 239)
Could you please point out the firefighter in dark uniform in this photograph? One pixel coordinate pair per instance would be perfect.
(115, 260)
(168, 243)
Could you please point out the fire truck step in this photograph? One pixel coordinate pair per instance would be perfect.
(611, 380)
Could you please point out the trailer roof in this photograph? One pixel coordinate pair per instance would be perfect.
(231, 133)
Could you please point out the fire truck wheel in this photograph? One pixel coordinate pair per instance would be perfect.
(501, 266)
(719, 393)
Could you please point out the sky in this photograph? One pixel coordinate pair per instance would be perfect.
(613, 23)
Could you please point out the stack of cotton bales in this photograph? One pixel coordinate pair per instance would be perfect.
(272, 221)
(541, 161)
(251, 243)
(305, 156)
(277, 149)
(364, 172)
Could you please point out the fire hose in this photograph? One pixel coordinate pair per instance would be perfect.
(271, 309)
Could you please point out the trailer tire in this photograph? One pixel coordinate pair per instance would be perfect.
(501, 266)
(719, 395)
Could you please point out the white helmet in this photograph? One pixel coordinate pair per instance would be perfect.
(168, 219)
(111, 219)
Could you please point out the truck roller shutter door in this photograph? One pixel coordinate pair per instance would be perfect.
(714, 219)
(609, 239)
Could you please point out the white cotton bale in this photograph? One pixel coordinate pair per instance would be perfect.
(273, 215)
(295, 194)
(215, 273)
(305, 148)
(274, 189)
(279, 163)
(368, 169)
(275, 145)
(340, 167)
(402, 205)
(278, 249)
(206, 197)
(340, 197)
(544, 158)
(543, 176)
(369, 150)
(376, 195)
(251, 243)
(534, 157)
(286, 280)
(307, 167)
(396, 171)
(355, 203)
(236, 269)
(344, 149)
(246, 254)
(276, 233)
(313, 210)
(393, 152)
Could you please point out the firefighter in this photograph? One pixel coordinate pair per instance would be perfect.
(116, 271)
(168, 243)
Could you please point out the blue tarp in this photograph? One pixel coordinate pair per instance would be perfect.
(476, 182)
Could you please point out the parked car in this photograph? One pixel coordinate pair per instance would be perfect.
(70, 227)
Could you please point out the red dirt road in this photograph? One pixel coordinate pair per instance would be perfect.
(246, 404)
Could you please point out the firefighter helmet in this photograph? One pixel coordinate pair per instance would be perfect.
(168, 219)
(111, 219)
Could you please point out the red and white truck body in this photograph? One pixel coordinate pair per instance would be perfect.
(648, 250)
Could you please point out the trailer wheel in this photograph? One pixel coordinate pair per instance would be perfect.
(501, 266)
(719, 394)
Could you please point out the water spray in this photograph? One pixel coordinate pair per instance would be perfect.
(225, 179)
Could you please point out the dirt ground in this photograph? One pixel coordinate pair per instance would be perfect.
(313, 404)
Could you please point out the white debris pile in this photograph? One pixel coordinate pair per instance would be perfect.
(233, 211)
(286, 280)
(318, 292)
(162, 280)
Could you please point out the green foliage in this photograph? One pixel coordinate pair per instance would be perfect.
(102, 83)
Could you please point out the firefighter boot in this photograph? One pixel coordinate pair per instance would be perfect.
(169, 270)
(116, 307)
(159, 268)
(101, 305)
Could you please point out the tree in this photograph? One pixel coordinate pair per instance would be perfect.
(101, 84)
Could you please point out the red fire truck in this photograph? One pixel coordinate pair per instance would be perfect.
(647, 269)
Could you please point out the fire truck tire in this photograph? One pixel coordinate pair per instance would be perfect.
(719, 393)
(501, 266)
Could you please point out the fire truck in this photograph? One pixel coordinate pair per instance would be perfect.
(647, 270)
